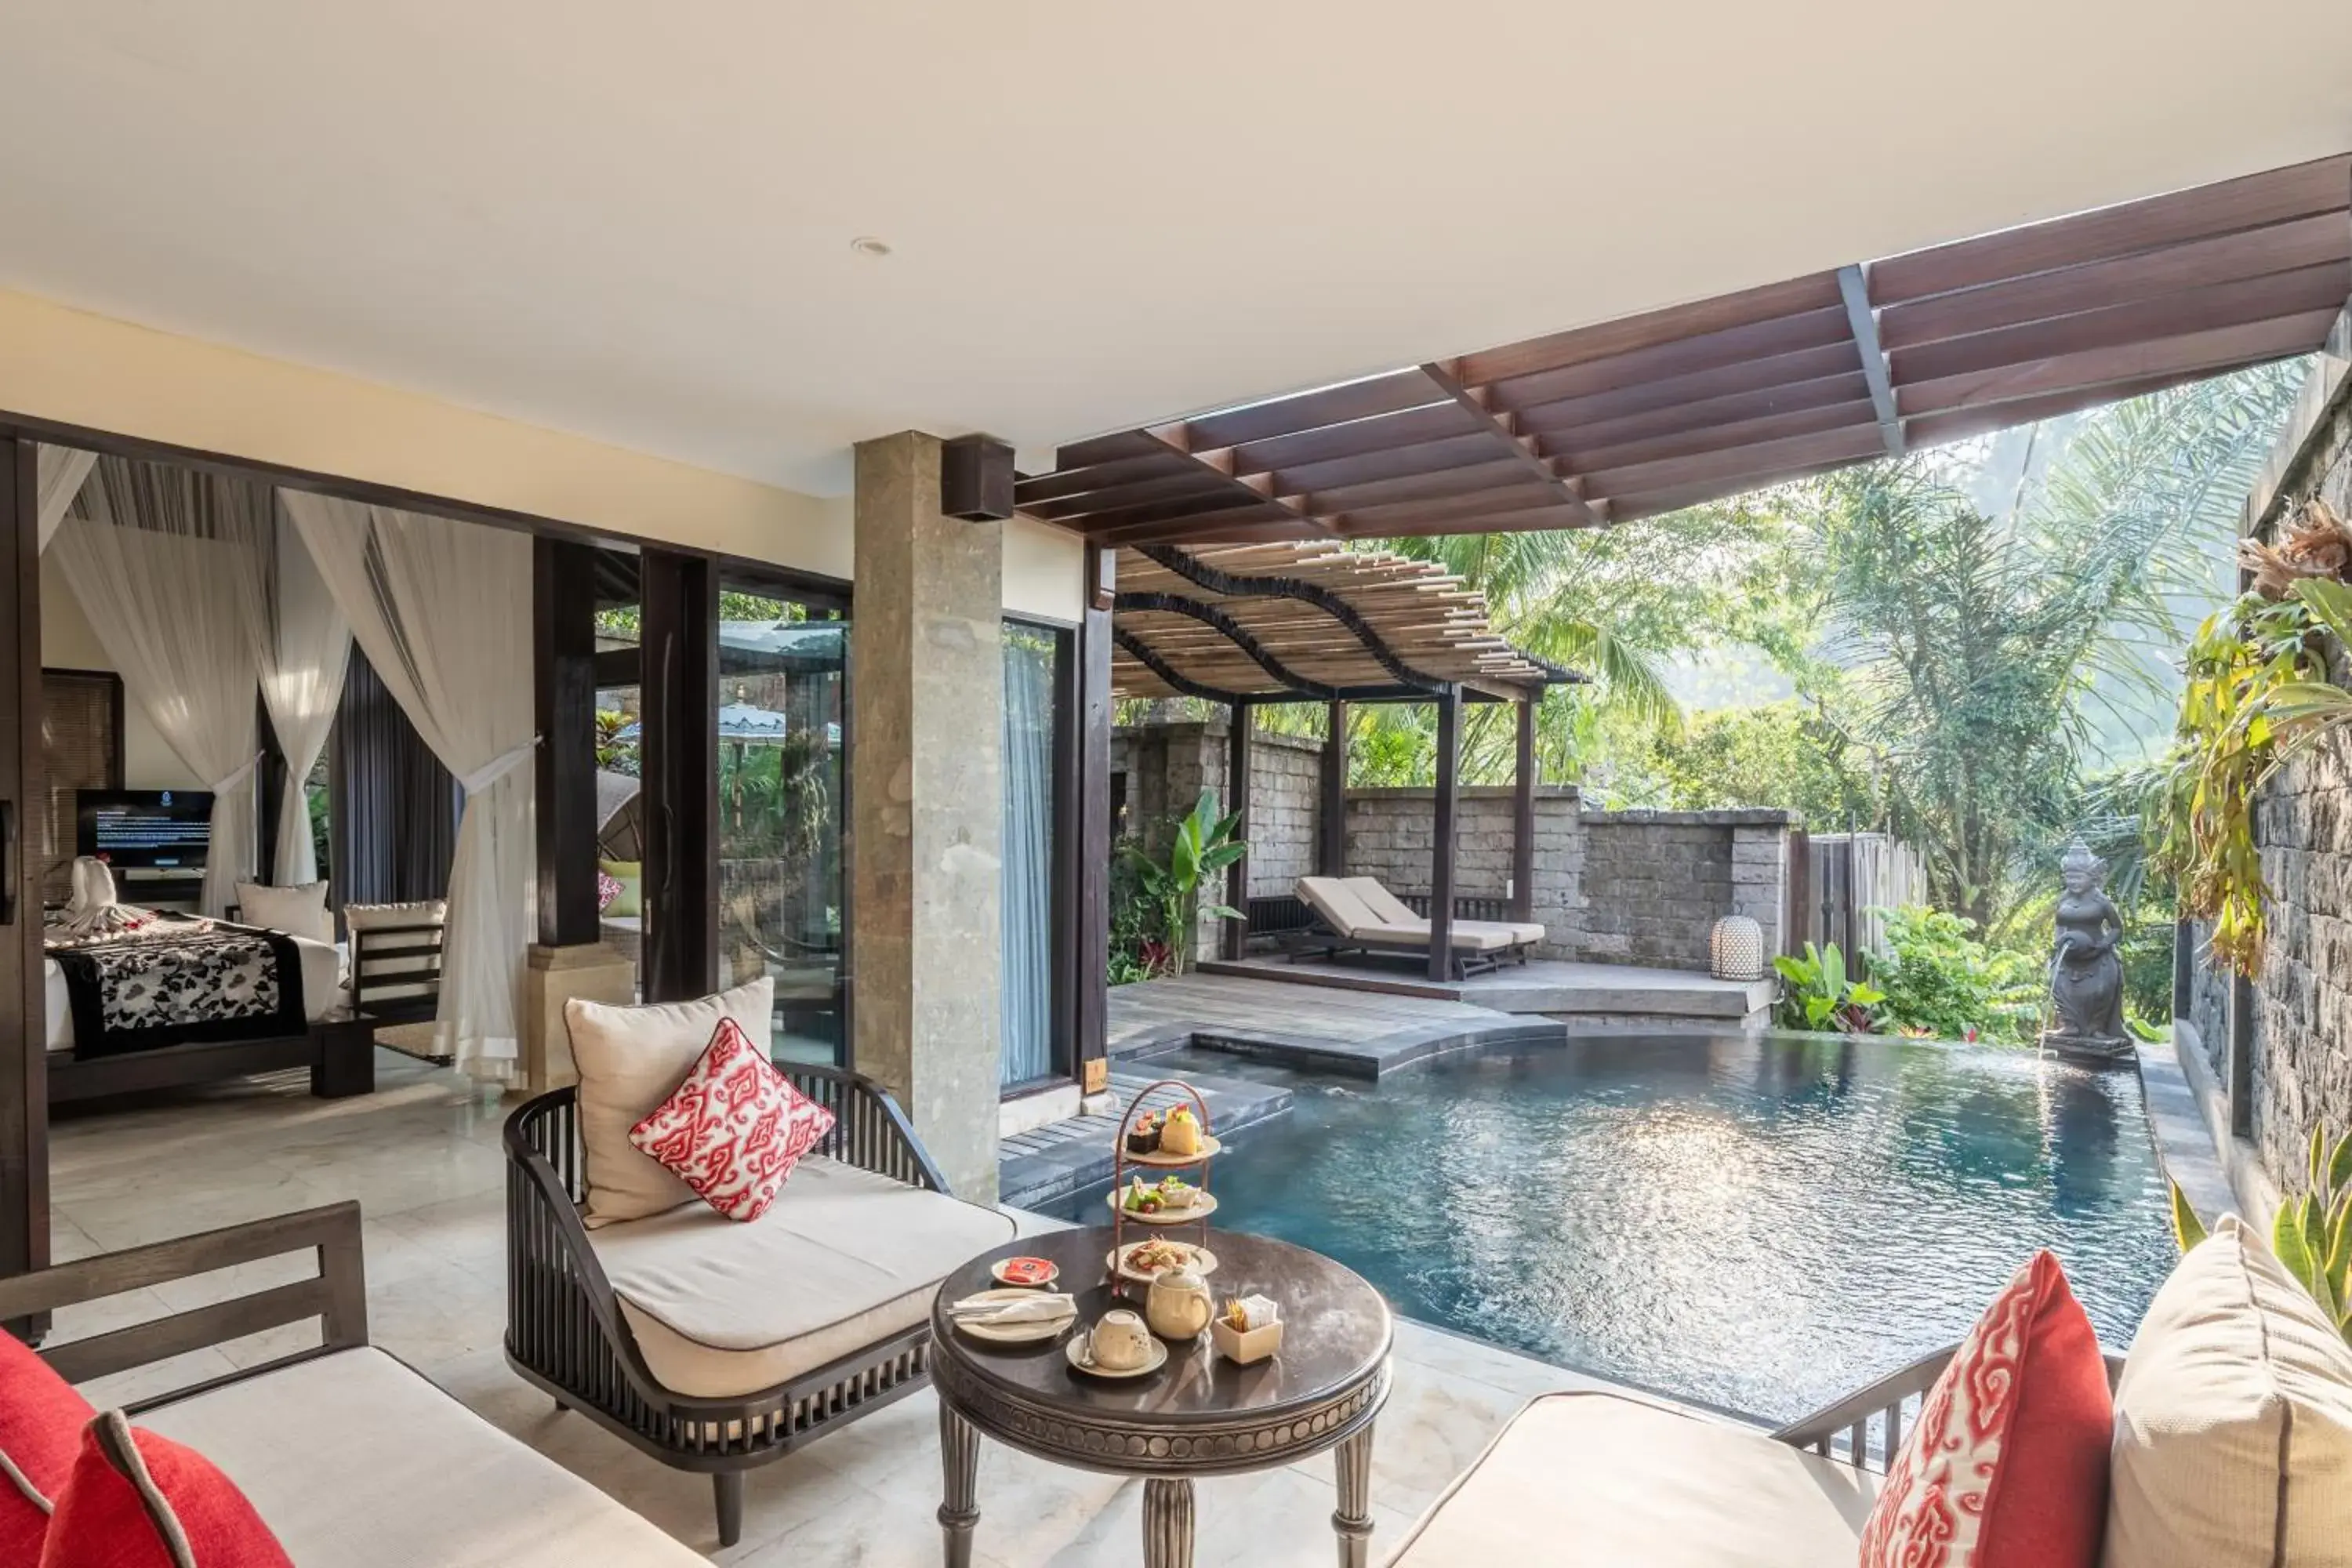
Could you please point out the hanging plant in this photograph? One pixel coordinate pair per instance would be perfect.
(2257, 697)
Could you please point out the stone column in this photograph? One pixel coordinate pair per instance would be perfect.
(927, 692)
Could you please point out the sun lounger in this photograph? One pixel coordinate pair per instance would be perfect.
(1357, 915)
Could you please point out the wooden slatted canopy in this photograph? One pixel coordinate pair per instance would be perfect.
(1306, 622)
(1643, 416)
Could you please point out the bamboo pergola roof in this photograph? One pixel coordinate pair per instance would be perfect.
(1652, 413)
(1287, 622)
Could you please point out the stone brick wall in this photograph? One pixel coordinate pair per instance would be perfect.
(1166, 767)
(2302, 1017)
(1390, 835)
(1656, 881)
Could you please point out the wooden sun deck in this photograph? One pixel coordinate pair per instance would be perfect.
(1548, 985)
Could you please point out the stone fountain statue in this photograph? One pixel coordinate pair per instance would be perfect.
(2086, 976)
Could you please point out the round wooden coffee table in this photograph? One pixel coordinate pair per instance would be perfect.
(1198, 1415)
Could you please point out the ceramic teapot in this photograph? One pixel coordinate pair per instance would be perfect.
(1179, 1306)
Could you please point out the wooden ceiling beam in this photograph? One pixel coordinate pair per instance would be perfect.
(1503, 429)
(1064, 482)
(1428, 422)
(2280, 196)
(1563, 418)
(1430, 486)
(1529, 520)
(1932, 429)
(2249, 299)
(1840, 415)
(1794, 452)
(1703, 414)
(1629, 508)
(1709, 351)
(1864, 324)
(2277, 247)
(1375, 396)
(1398, 462)
(1192, 480)
(2211, 353)
(1607, 340)
(1514, 493)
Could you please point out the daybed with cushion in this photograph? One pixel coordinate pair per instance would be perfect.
(1358, 915)
(714, 1344)
(2228, 1444)
(351, 1459)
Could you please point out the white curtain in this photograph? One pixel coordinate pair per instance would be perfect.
(1027, 1052)
(443, 611)
(302, 643)
(164, 560)
(58, 476)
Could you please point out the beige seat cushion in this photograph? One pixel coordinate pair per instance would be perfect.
(372, 917)
(630, 1059)
(1387, 909)
(2233, 1421)
(1603, 1482)
(1468, 936)
(844, 1259)
(1336, 904)
(354, 1461)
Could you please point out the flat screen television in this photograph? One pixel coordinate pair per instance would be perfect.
(145, 829)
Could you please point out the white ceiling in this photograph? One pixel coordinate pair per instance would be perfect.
(632, 221)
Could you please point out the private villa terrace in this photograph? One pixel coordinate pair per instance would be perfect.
(726, 843)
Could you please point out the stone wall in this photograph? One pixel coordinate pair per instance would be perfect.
(1633, 887)
(2301, 1036)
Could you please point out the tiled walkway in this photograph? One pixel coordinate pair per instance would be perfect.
(423, 1159)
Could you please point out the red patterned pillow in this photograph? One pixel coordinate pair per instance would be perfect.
(41, 1418)
(608, 887)
(138, 1500)
(734, 1129)
(2007, 1467)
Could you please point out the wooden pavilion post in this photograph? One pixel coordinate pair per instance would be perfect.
(1523, 818)
(1331, 819)
(24, 1064)
(1449, 792)
(1237, 800)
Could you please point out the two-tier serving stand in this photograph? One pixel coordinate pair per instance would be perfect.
(1125, 1165)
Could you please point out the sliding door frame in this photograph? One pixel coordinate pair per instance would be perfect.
(1066, 865)
(24, 1054)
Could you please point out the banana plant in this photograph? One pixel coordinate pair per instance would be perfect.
(1202, 844)
(2312, 1235)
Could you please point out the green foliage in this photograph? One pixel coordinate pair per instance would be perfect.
(1780, 755)
(775, 799)
(2188, 1230)
(1821, 995)
(613, 753)
(2312, 1235)
(1168, 893)
(1940, 980)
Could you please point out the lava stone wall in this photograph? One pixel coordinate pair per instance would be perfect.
(2301, 1037)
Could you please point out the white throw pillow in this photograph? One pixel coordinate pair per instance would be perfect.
(370, 917)
(630, 1059)
(297, 912)
(2233, 1421)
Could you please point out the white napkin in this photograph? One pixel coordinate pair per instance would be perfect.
(1028, 1310)
(1258, 1311)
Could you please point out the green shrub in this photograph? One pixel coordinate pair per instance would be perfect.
(1819, 995)
(1940, 980)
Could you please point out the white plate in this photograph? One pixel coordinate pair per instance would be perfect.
(1203, 1205)
(1014, 1333)
(996, 1271)
(1209, 1146)
(1204, 1260)
(1080, 1360)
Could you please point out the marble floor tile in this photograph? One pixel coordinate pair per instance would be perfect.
(422, 1157)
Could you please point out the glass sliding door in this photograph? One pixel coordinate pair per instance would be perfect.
(784, 671)
(1032, 680)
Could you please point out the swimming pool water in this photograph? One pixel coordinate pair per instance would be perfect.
(1760, 1223)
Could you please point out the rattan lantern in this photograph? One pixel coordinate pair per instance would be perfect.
(1735, 949)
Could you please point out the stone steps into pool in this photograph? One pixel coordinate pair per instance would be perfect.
(1061, 1157)
(1355, 1033)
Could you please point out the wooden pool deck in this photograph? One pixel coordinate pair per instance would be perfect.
(1559, 987)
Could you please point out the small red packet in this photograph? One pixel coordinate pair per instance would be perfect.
(1024, 1270)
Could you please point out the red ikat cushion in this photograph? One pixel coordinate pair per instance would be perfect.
(734, 1129)
(2007, 1465)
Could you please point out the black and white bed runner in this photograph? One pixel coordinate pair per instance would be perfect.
(179, 982)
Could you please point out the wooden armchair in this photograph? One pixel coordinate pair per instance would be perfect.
(567, 1332)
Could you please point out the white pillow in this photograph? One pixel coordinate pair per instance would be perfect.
(369, 917)
(297, 912)
(2233, 1421)
(630, 1059)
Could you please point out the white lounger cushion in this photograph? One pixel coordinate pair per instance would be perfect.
(354, 1461)
(1360, 909)
(1337, 905)
(1387, 909)
(844, 1258)
(1603, 1482)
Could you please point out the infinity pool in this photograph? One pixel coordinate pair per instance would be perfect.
(1759, 1223)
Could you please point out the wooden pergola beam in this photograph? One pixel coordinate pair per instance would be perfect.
(1503, 427)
